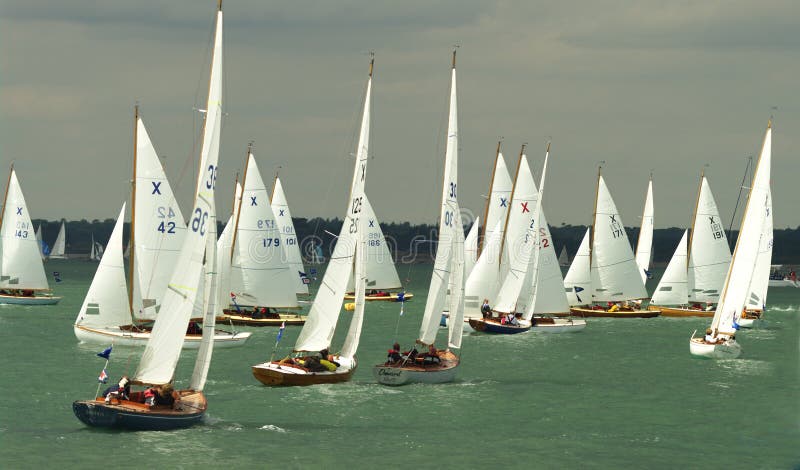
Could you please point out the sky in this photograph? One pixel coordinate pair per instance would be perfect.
(668, 88)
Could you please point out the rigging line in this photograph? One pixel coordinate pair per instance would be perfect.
(738, 198)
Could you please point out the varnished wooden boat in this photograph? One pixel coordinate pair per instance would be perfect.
(236, 318)
(680, 311)
(621, 313)
(386, 297)
(35, 298)
(279, 373)
(187, 411)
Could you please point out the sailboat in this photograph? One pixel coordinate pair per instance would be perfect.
(157, 366)
(532, 291)
(44, 248)
(614, 273)
(158, 234)
(96, 251)
(471, 247)
(383, 283)
(261, 282)
(693, 279)
(438, 366)
(644, 248)
(22, 278)
(291, 246)
(310, 362)
(59, 247)
(759, 284)
(578, 281)
(719, 342)
(486, 274)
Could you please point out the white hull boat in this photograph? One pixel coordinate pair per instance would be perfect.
(29, 300)
(557, 325)
(118, 336)
(728, 349)
(388, 375)
(746, 322)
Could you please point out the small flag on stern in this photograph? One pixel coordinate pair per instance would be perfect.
(280, 332)
(304, 277)
(103, 377)
(106, 354)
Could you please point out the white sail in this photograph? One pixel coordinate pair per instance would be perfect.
(471, 247)
(709, 253)
(209, 308)
(456, 287)
(497, 203)
(22, 266)
(159, 228)
(351, 341)
(93, 249)
(615, 274)
(266, 280)
(39, 240)
(224, 247)
(98, 251)
(449, 216)
(519, 241)
(673, 287)
(484, 280)
(760, 281)
(106, 302)
(161, 354)
(736, 289)
(379, 269)
(563, 257)
(549, 295)
(60, 245)
(645, 245)
(291, 246)
(317, 332)
(578, 281)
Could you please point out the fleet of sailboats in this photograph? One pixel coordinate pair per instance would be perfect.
(503, 277)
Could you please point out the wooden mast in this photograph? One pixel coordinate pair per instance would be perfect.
(241, 197)
(510, 200)
(694, 220)
(591, 234)
(482, 236)
(131, 240)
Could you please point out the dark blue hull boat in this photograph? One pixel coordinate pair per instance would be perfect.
(137, 416)
(495, 327)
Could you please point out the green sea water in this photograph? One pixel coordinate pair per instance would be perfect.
(620, 394)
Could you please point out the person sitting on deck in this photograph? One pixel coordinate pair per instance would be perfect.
(257, 314)
(696, 306)
(269, 313)
(327, 360)
(312, 363)
(613, 308)
(486, 309)
(194, 329)
(121, 391)
(512, 319)
(394, 354)
(431, 357)
(411, 355)
(710, 338)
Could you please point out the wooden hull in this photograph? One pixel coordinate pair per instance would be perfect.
(276, 374)
(402, 374)
(557, 325)
(391, 297)
(494, 327)
(680, 312)
(729, 349)
(121, 337)
(588, 312)
(234, 318)
(29, 300)
(125, 414)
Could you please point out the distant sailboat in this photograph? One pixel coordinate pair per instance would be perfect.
(291, 246)
(22, 278)
(563, 257)
(644, 248)
(693, 279)
(96, 251)
(719, 342)
(438, 366)
(186, 407)
(614, 273)
(310, 362)
(44, 248)
(59, 247)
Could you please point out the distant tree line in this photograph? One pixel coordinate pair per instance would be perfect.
(413, 242)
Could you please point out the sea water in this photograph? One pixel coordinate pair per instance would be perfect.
(620, 393)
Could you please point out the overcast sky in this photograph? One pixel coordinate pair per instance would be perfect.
(644, 85)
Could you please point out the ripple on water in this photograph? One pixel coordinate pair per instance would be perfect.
(272, 427)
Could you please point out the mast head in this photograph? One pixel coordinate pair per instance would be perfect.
(548, 147)
(371, 62)
(219, 5)
(454, 56)
(522, 149)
